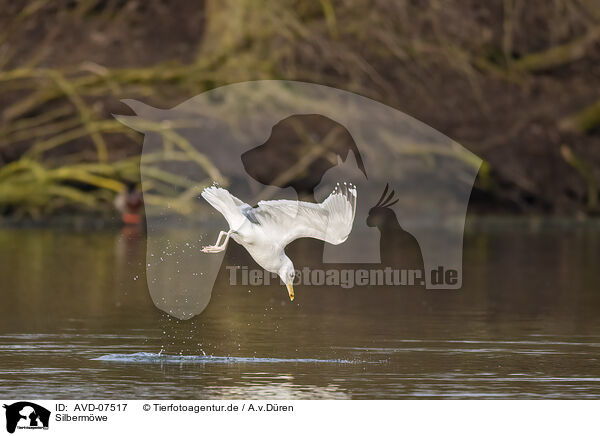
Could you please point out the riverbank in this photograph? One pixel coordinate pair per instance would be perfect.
(516, 85)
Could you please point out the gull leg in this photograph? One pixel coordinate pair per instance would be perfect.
(227, 235)
(218, 248)
(215, 248)
(221, 233)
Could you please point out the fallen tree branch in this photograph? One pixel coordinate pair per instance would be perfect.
(582, 121)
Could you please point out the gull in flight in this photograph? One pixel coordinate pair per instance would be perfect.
(265, 230)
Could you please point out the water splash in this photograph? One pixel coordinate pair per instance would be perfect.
(167, 358)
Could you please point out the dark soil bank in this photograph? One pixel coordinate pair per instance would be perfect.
(516, 82)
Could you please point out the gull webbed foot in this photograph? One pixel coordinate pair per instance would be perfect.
(212, 249)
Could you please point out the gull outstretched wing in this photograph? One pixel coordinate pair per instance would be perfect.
(330, 221)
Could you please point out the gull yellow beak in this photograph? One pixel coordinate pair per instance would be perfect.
(290, 289)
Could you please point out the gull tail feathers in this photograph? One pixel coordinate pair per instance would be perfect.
(225, 203)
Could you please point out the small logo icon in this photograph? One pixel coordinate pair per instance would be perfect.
(26, 415)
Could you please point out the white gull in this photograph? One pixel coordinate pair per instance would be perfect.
(265, 230)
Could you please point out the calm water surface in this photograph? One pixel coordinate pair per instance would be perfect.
(77, 321)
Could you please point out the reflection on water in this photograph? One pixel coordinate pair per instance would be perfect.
(77, 321)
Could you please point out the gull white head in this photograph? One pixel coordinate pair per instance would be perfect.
(287, 273)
